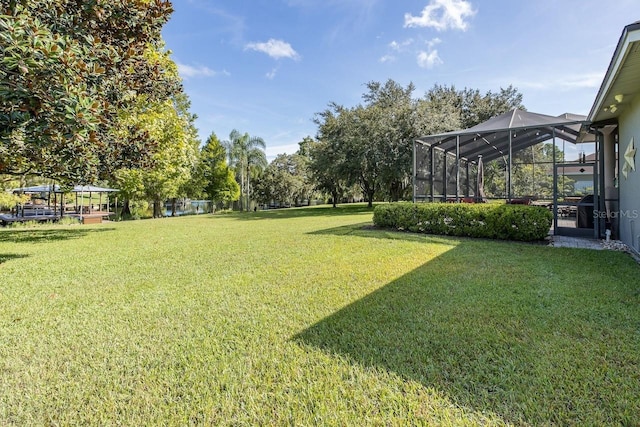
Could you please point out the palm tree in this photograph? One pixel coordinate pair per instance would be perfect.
(246, 155)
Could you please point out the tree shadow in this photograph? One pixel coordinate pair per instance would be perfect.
(7, 257)
(48, 235)
(367, 230)
(501, 338)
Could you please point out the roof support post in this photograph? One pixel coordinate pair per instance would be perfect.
(467, 193)
(415, 172)
(555, 185)
(444, 177)
(457, 168)
(533, 171)
(509, 166)
(432, 171)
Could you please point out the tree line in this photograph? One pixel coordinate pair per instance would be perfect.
(367, 149)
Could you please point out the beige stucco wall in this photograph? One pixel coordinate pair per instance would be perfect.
(629, 126)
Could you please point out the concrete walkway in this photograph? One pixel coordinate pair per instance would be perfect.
(576, 242)
(583, 243)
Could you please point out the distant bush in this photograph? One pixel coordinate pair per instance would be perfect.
(491, 221)
(67, 220)
(138, 208)
(25, 224)
(9, 200)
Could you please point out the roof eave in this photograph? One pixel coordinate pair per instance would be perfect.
(630, 34)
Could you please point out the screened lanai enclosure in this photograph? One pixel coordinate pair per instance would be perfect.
(519, 157)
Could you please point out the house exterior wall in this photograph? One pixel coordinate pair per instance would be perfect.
(629, 219)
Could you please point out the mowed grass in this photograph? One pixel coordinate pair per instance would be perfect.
(309, 317)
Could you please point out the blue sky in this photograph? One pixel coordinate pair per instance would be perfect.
(267, 66)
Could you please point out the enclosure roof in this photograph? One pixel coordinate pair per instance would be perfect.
(57, 189)
(37, 189)
(491, 138)
(92, 189)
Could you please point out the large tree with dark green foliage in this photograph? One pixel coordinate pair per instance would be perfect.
(327, 155)
(285, 180)
(445, 108)
(392, 114)
(365, 151)
(375, 138)
(371, 145)
(302, 162)
(353, 133)
(70, 69)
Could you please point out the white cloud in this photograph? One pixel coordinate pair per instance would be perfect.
(562, 82)
(189, 71)
(272, 74)
(442, 15)
(274, 48)
(399, 46)
(272, 151)
(426, 59)
(431, 43)
(429, 59)
(591, 80)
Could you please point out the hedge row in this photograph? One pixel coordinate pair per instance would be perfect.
(491, 221)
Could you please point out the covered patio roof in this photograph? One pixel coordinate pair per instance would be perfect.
(517, 129)
(57, 189)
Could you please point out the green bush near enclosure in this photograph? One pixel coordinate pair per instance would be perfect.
(492, 221)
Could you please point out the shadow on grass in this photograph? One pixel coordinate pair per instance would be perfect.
(496, 333)
(50, 235)
(367, 230)
(304, 212)
(7, 257)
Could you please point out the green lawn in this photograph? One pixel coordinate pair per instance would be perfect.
(307, 317)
